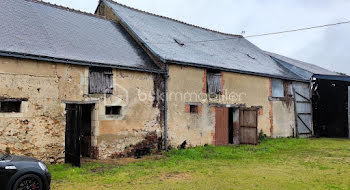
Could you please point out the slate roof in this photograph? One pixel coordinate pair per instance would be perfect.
(314, 69)
(160, 34)
(36, 29)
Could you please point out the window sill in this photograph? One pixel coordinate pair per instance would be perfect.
(112, 117)
(13, 115)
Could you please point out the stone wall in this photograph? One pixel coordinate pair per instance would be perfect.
(39, 129)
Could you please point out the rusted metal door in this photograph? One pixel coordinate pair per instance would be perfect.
(303, 109)
(221, 126)
(248, 121)
(72, 138)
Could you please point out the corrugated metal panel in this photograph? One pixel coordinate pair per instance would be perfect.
(160, 35)
(34, 28)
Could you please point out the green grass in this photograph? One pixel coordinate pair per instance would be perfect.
(274, 164)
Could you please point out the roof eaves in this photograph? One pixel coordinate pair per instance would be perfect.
(171, 19)
(75, 62)
(236, 71)
(333, 77)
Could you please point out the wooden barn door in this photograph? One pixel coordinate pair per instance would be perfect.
(73, 123)
(248, 120)
(221, 126)
(303, 109)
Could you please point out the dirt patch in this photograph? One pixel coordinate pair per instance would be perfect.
(152, 144)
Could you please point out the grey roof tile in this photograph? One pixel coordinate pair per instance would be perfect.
(160, 35)
(314, 69)
(36, 28)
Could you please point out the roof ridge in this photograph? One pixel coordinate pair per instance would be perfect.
(172, 19)
(68, 9)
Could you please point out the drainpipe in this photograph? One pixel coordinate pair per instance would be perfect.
(166, 76)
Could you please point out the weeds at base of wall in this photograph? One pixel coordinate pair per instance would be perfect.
(7, 150)
(152, 144)
(262, 136)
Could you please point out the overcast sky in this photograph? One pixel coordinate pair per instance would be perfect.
(326, 47)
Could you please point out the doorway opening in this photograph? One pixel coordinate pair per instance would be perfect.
(235, 125)
(330, 108)
(78, 132)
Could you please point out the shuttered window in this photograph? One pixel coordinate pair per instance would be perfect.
(214, 85)
(100, 81)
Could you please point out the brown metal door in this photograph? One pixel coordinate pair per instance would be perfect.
(221, 126)
(248, 119)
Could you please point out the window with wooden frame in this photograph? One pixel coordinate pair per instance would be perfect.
(214, 82)
(10, 106)
(100, 80)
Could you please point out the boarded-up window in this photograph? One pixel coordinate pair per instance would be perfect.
(277, 88)
(214, 85)
(100, 81)
(10, 106)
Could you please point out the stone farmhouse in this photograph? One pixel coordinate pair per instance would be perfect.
(74, 84)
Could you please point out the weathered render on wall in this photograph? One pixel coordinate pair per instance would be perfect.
(187, 87)
(39, 129)
(184, 85)
(247, 89)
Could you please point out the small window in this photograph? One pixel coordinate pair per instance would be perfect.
(113, 110)
(193, 109)
(10, 106)
(277, 88)
(100, 80)
(214, 85)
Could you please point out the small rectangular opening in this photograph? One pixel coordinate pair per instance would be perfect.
(10, 106)
(193, 108)
(113, 110)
